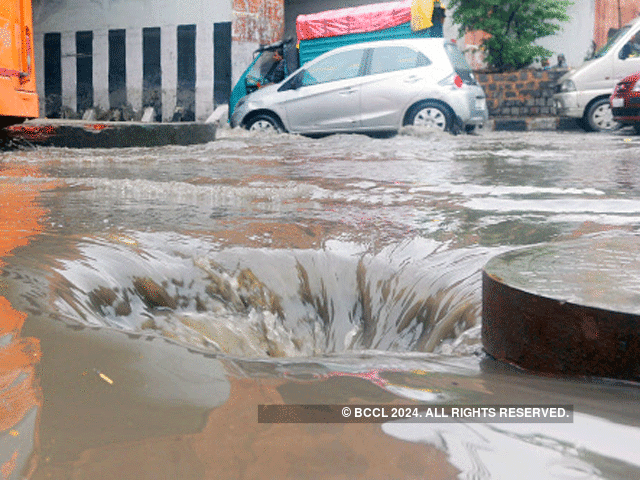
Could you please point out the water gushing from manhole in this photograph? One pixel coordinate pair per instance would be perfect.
(412, 296)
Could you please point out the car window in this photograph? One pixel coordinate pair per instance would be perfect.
(390, 59)
(339, 66)
(633, 47)
(612, 40)
(459, 63)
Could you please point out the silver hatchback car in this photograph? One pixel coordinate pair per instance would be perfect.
(374, 87)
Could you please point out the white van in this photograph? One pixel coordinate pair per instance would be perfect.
(584, 93)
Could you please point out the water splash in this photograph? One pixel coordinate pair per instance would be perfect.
(413, 296)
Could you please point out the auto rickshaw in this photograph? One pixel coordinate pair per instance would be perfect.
(271, 64)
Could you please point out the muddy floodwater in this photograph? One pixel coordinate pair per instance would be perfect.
(152, 299)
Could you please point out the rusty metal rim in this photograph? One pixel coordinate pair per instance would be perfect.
(551, 336)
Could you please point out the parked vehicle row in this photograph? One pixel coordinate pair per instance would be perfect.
(18, 95)
(584, 93)
(384, 85)
(371, 86)
(625, 102)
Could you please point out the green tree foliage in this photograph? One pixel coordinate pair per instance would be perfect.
(513, 25)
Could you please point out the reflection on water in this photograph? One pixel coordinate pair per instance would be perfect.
(542, 451)
(166, 292)
(20, 394)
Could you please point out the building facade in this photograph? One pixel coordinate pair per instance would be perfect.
(178, 56)
(611, 15)
(181, 57)
(591, 22)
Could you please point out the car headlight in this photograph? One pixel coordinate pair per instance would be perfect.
(568, 86)
(636, 87)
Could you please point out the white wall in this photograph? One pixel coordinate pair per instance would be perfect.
(204, 69)
(101, 68)
(68, 50)
(69, 16)
(133, 51)
(169, 66)
(574, 40)
(54, 16)
(241, 58)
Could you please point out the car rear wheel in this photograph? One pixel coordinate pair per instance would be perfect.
(599, 117)
(430, 114)
(264, 123)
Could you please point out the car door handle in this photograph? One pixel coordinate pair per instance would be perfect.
(348, 91)
(412, 79)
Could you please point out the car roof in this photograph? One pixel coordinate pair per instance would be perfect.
(424, 42)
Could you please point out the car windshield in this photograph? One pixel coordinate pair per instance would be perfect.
(459, 63)
(607, 46)
(264, 64)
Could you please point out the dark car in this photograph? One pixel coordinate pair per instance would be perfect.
(625, 101)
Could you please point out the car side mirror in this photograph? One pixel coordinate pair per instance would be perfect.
(625, 52)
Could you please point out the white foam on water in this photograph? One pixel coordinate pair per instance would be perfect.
(577, 450)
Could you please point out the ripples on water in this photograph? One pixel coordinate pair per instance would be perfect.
(348, 252)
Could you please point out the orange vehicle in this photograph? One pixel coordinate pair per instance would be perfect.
(18, 96)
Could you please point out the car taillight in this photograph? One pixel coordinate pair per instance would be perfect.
(454, 79)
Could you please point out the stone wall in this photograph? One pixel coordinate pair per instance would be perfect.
(527, 92)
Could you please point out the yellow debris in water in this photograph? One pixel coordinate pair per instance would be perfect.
(105, 378)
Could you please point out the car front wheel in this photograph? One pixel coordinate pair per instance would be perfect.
(599, 118)
(430, 114)
(264, 123)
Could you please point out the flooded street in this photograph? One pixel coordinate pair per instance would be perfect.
(152, 298)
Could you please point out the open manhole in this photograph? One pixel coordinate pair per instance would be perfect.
(568, 308)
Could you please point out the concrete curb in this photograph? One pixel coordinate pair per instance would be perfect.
(528, 124)
(86, 134)
(92, 134)
(564, 308)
